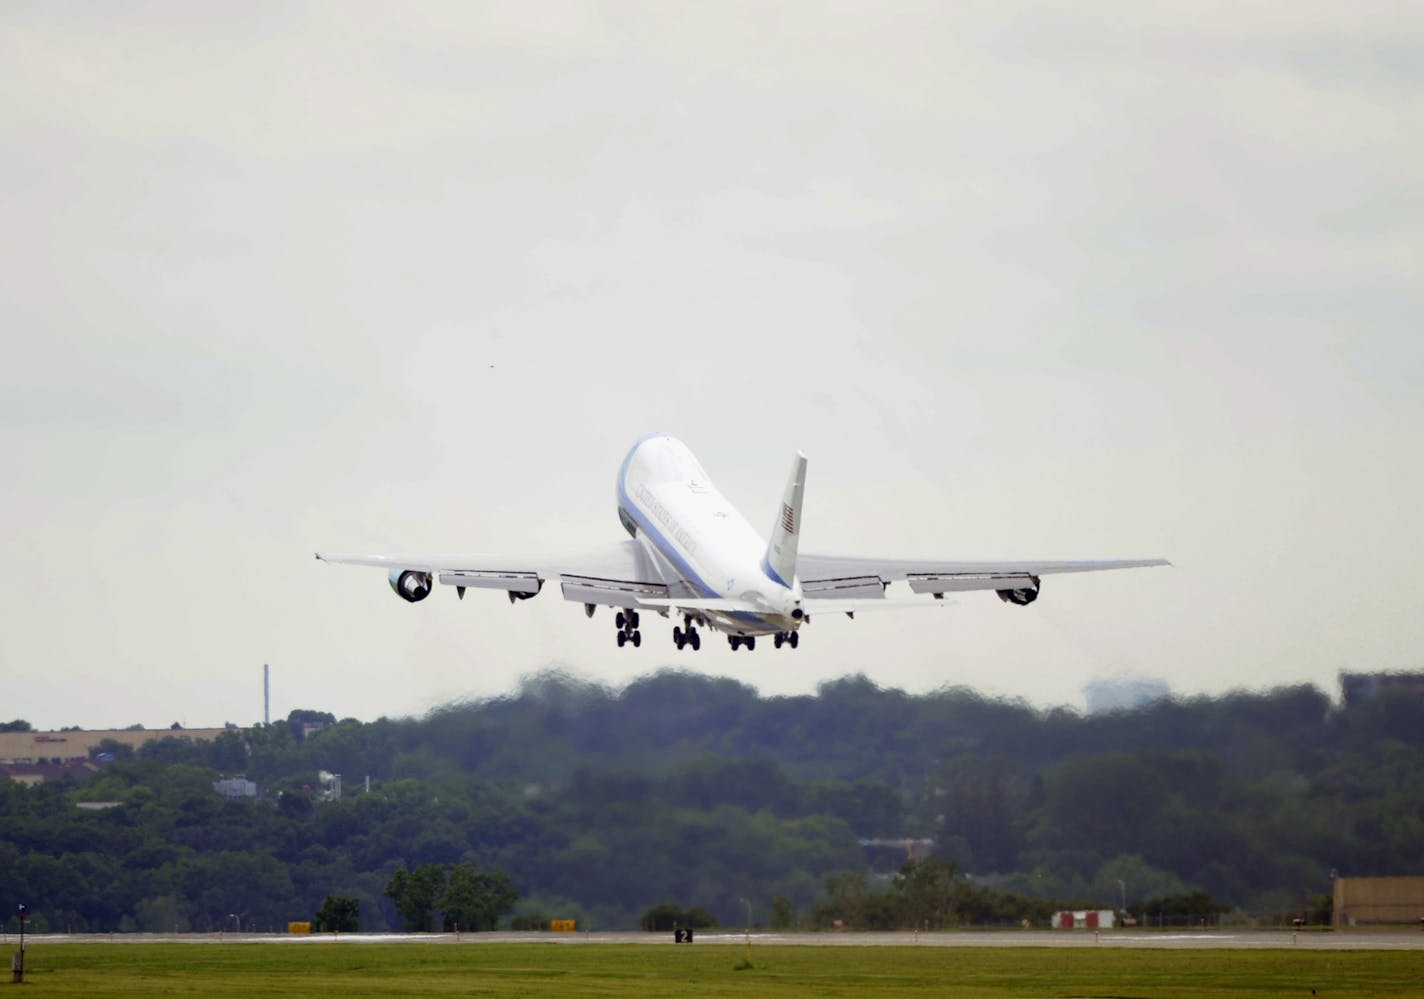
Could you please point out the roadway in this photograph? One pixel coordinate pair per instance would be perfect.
(1243, 939)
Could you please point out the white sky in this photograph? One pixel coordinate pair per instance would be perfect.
(1112, 279)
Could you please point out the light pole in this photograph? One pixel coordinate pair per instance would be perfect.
(1122, 887)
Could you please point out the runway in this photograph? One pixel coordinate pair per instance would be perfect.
(1234, 939)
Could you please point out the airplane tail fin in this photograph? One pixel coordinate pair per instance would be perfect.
(780, 560)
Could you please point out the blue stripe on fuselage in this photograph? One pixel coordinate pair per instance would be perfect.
(766, 568)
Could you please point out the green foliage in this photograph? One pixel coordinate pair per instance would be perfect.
(597, 803)
(1191, 903)
(112, 747)
(476, 900)
(783, 913)
(929, 891)
(417, 894)
(338, 914)
(18, 725)
(530, 921)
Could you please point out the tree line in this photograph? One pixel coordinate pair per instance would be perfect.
(692, 791)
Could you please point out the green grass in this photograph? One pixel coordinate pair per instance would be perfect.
(355, 971)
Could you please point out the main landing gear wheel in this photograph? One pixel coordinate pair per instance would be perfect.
(790, 638)
(683, 637)
(627, 623)
(737, 641)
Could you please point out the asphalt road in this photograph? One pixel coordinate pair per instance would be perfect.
(1142, 939)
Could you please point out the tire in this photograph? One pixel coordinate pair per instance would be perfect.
(637, 639)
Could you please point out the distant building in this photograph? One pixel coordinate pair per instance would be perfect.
(1084, 919)
(1123, 693)
(40, 773)
(1378, 902)
(1356, 688)
(235, 787)
(64, 747)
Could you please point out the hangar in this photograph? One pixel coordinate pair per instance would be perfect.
(1397, 901)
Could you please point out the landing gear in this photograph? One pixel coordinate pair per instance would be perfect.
(627, 622)
(737, 641)
(688, 637)
(791, 638)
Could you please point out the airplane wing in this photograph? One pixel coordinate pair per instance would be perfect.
(848, 577)
(618, 575)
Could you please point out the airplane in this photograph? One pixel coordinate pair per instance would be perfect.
(693, 555)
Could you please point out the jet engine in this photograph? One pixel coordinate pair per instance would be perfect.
(1023, 596)
(411, 585)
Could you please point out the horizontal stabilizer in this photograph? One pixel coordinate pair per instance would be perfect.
(853, 605)
(711, 604)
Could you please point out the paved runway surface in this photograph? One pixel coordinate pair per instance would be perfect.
(1188, 940)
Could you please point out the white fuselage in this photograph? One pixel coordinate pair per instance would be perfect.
(703, 546)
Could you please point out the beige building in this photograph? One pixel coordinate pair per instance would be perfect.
(1378, 902)
(36, 747)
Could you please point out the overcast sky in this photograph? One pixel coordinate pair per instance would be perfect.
(1040, 280)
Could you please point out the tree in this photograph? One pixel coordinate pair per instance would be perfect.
(416, 895)
(299, 718)
(338, 914)
(928, 889)
(114, 749)
(475, 900)
(18, 725)
(783, 914)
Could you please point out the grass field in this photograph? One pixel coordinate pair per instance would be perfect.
(356, 971)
